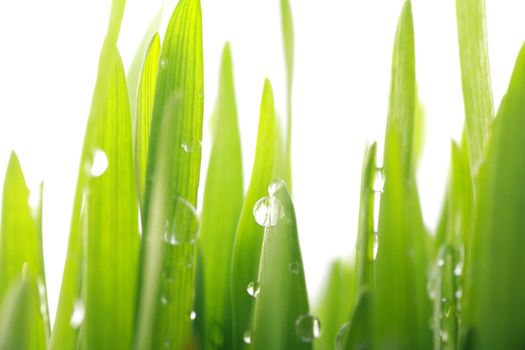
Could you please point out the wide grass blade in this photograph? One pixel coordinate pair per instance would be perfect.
(170, 220)
(21, 255)
(249, 236)
(219, 222)
(475, 78)
(281, 319)
(495, 314)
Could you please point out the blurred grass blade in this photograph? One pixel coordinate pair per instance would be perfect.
(249, 236)
(281, 319)
(288, 44)
(219, 222)
(21, 326)
(144, 113)
(21, 250)
(475, 77)
(336, 303)
(356, 334)
(401, 306)
(169, 251)
(496, 316)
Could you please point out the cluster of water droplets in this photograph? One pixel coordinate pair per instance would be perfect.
(378, 188)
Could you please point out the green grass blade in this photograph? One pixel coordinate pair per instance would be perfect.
(172, 182)
(401, 306)
(288, 44)
(281, 317)
(475, 77)
(356, 334)
(495, 317)
(145, 101)
(219, 223)
(249, 236)
(21, 249)
(336, 303)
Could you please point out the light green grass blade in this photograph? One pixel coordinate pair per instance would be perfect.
(249, 236)
(165, 307)
(146, 99)
(475, 77)
(288, 44)
(281, 319)
(401, 306)
(219, 222)
(336, 303)
(21, 253)
(495, 318)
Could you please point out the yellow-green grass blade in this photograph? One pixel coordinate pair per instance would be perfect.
(21, 326)
(21, 250)
(281, 319)
(475, 78)
(249, 236)
(288, 44)
(336, 303)
(401, 305)
(494, 318)
(219, 222)
(165, 307)
(144, 113)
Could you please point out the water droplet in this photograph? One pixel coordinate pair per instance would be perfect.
(341, 336)
(78, 314)
(99, 163)
(163, 300)
(307, 327)
(193, 315)
(184, 227)
(458, 294)
(275, 186)
(191, 146)
(446, 308)
(247, 337)
(379, 180)
(375, 246)
(253, 289)
(268, 211)
(441, 262)
(377, 208)
(444, 336)
(163, 63)
(294, 267)
(458, 270)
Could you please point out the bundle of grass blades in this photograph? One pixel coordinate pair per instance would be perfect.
(232, 277)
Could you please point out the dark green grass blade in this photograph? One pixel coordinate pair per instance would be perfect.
(144, 113)
(281, 318)
(249, 236)
(496, 281)
(288, 44)
(21, 252)
(219, 222)
(475, 77)
(401, 306)
(336, 303)
(170, 221)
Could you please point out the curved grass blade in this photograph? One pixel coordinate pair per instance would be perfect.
(249, 236)
(21, 252)
(493, 317)
(475, 78)
(219, 223)
(281, 319)
(172, 181)
(144, 113)
(336, 303)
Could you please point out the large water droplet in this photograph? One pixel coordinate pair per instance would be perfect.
(294, 267)
(341, 336)
(247, 337)
(78, 314)
(253, 289)
(268, 211)
(275, 186)
(191, 146)
(99, 163)
(307, 327)
(184, 228)
(379, 180)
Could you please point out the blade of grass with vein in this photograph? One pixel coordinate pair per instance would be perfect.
(21, 252)
(281, 319)
(401, 306)
(494, 320)
(145, 101)
(475, 77)
(172, 181)
(288, 44)
(219, 223)
(336, 303)
(249, 236)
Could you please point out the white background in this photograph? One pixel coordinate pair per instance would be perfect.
(48, 61)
